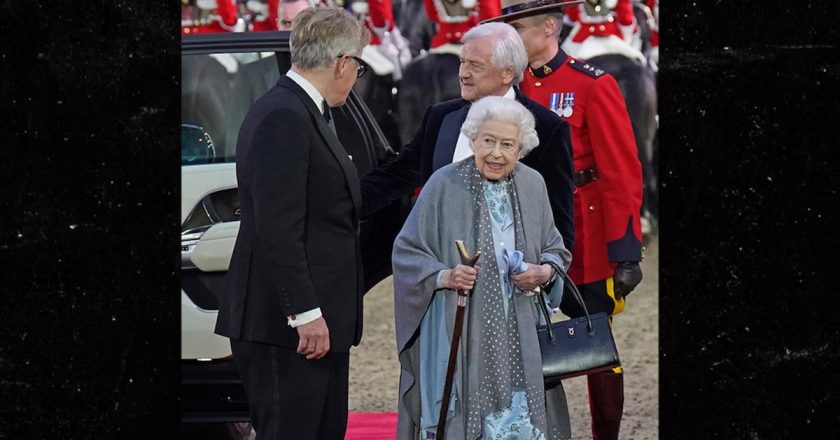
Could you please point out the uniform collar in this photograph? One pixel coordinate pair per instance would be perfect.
(551, 66)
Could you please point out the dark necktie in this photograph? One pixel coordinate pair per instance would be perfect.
(328, 116)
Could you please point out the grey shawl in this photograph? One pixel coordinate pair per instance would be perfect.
(445, 212)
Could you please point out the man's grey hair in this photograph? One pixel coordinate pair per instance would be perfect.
(508, 48)
(499, 108)
(320, 35)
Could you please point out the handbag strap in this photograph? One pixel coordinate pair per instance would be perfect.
(575, 292)
(544, 307)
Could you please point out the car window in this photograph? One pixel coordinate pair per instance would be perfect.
(217, 90)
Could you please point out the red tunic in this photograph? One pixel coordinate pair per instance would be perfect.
(381, 13)
(623, 11)
(224, 20)
(270, 22)
(606, 210)
(450, 28)
(622, 15)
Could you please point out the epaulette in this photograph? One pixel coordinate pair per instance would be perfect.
(589, 69)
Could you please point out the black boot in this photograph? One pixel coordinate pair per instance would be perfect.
(606, 403)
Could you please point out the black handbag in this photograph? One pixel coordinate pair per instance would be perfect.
(576, 347)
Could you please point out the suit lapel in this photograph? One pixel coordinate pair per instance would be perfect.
(351, 175)
(447, 139)
(521, 98)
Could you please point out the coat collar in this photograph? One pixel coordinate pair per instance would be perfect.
(450, 129)
(551, 66)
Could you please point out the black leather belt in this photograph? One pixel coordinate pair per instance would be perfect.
(587, 176)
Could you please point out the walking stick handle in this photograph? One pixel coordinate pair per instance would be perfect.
(466, 259)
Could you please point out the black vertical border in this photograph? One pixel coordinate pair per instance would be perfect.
(89, 226)
(749, 346)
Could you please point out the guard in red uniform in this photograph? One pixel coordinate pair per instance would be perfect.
(386, 38)
(216, 16)
(608, 195)
(274, 19)
(269, 19)
(381, 14)
(601, 18)
(455, 18)
(600, 27)
(608, 180)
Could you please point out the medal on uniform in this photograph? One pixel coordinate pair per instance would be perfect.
(562, 103)
(568, 104)
(554, 102)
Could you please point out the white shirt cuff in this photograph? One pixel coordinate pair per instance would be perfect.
(305, 317)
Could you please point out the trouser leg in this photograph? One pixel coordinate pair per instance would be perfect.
(606, 403)
(334, 415)
(291, 397)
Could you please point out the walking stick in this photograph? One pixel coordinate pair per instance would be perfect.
(466, 260)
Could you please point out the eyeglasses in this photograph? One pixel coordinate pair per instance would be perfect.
(489, 144)
(362, 69)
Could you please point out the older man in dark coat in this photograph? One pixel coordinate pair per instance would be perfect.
(492, 61)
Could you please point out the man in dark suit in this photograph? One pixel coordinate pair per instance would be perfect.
(492, 61)
(292, 303)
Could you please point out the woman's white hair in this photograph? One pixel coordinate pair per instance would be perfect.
(502, 109)
(320, 35)
(508, 49)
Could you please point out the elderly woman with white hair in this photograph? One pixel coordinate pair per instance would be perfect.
(497, 206)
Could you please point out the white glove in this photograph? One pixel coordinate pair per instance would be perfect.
(393, 47)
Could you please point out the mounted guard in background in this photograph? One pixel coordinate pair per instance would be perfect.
(432, 77)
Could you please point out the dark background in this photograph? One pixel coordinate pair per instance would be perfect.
(89, 229)
(749, 343)
(89, 219)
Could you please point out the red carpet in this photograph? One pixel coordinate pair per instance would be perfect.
(371, 426)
